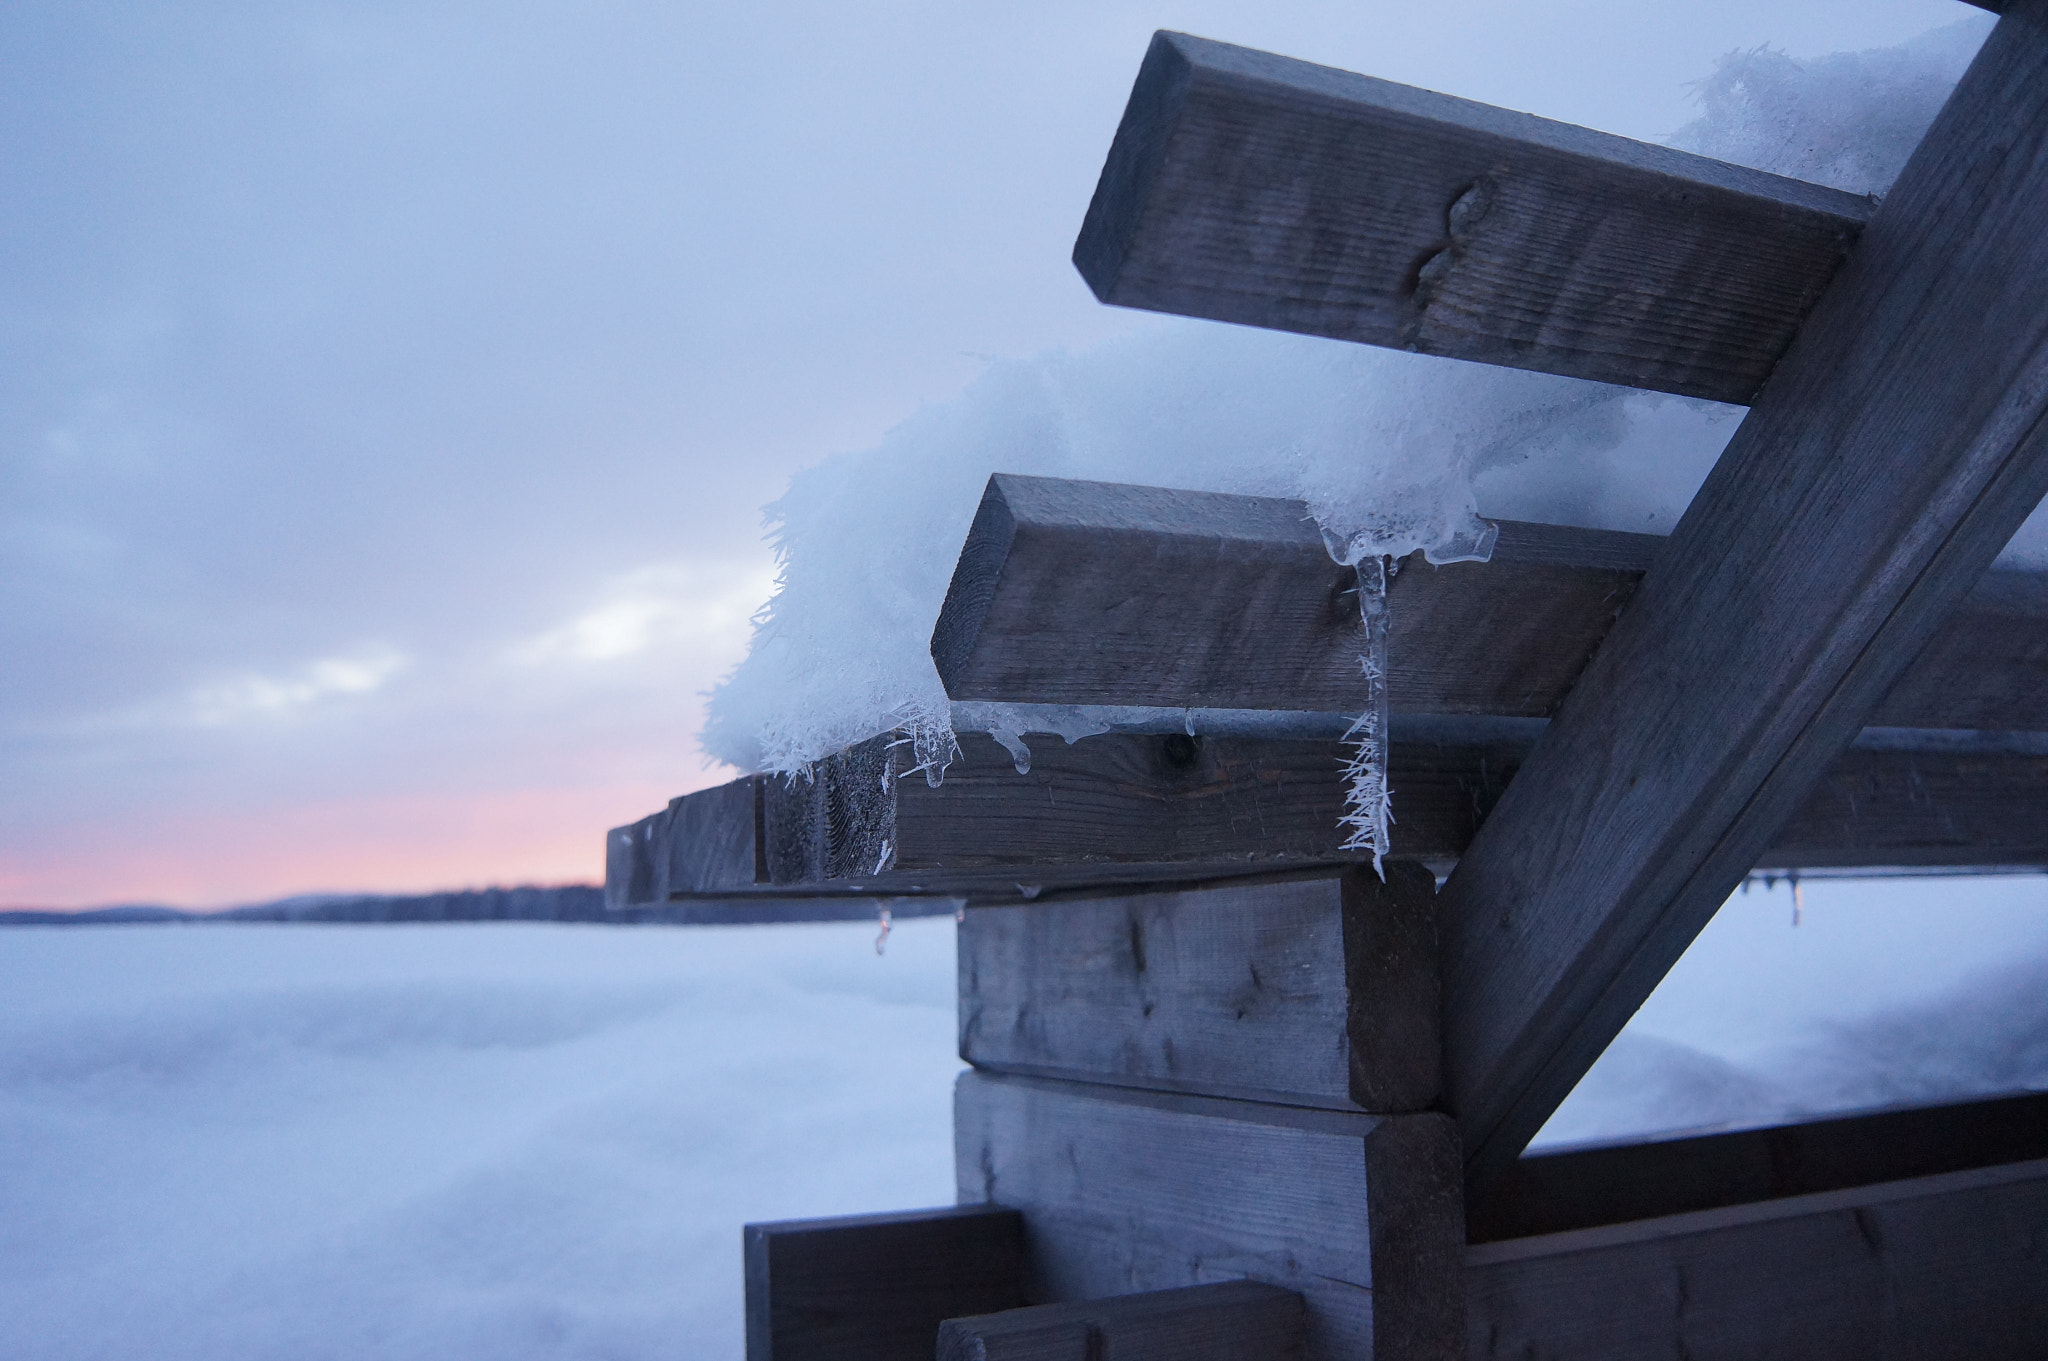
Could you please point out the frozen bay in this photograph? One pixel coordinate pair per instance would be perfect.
(510, 1141)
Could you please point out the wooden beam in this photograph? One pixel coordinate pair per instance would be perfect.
(1316, 992)
(876, 1287)
(1228, 1321)
(1250, 188)
(1897, 448)
(1952, 1266)
(1553, 1192)
(1136, 808)
(1128, 1190)
(1072, 592)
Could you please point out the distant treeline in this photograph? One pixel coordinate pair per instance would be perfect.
(528, 903)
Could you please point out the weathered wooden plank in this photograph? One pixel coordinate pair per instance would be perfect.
(1250, 188)
(1921, 806)
(1954, 1266)
(1229, 1321)
(1127, 1191)
(1135, 808)
(1898, 446)
(1071, 592)
(699, 843)
(1318, 991)
(876, 1287)
(1582, 1188)
(1987, 665)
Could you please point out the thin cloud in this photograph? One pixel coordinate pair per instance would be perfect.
(257, 696)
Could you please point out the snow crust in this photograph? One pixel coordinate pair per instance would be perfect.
(1392, 452)
(446, 1143)
(523, 1142)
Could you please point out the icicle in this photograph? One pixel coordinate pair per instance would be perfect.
(932, 745)
(1798, 898)
(1368, 808)
(882, 938)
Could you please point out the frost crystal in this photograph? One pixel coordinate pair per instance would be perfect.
(1368, 803)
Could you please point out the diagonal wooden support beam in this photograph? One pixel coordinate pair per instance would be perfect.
(1891, 456)
(1253, 188)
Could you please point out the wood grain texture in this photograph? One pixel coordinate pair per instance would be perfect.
(876, 1287)
(1071, 592)
(1581, 1188)
(1898, 446)
(700, 843)
(1127, 1191)
(1250, 188)
(1318, 991)
(1229, 1321)
(1954, 1266)
(1138, 808)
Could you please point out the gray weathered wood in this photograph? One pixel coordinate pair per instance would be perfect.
(699, 843)
(1551, 1192)
(1318, 991)
(1127, 1191)
(1250, 188)
(1137, 808)
(1898, 446)
(1987, 665)
(1953, 1266)
(876, 1287)
(1071, 592)
(1229, 1321)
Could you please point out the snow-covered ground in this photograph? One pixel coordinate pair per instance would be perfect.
(496, 1142)
(463, 1143)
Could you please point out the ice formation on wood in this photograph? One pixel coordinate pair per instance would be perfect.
(1368, 803)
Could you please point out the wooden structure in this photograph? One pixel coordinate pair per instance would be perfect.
(1231, 1095)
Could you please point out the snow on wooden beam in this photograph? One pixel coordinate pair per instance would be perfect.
(1071, 592)
(1251, 188)
(1898, 446)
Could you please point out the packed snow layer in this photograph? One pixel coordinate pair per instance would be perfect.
(513, 1142)
(1392, 452)
(445, 1142)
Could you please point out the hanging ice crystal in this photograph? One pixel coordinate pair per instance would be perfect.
(1368, 803)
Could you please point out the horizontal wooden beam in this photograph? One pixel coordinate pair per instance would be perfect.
(1319, 991)
(1948, 1266)
(1251, 188)
(1899, 445)
(1127, 1190)
(1134, 808)
(1228, 1321)
(1582, 1188)
(876, 1287)
(1071, 592)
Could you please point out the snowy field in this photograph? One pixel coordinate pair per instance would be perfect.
(506, 1141)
